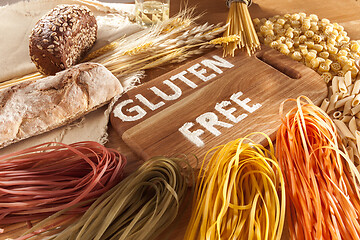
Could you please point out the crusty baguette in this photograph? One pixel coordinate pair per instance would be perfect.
(33, 107)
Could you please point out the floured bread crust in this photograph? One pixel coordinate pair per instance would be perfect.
(34, 107)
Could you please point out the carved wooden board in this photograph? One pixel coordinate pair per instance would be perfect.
(210, 101)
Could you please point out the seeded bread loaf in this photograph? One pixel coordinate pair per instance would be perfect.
(34, 107)
(62, 37)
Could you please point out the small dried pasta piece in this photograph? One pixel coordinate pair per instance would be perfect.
(325, 104)
(321, 60)
(328, 29)
(335, 66)
(337, 114)
(295, 17)
(355, 47)
(324, 67)
(355, 110)
(342, 60)
(274, 44)
(256, 21)
(346, 119)
(346, 68)
(343, 33)
(281, 21)
(347, 79)
(331, 41)
(314, 63)
(263, 29)
(309, 34)
(309, 44)
(347, 108)
(310, 56)
(352, 125)
(333, 99)
(342, 53)
(282, 39)
(339, 39)
(296, 33)
(302, 39)
(281, 31)
(340, 103)
(328, 62)
(269, 32)
(338, 27)
(296, 55)
(304, 51)
(303, 15)
(356, 88)
(341, 73)
(295, 24)
(289, 34)
(314, 17)
(355, 101)
(269, 24)
(335, 84)
(305, 26)
(314, 28)
(332, 49)
(342, 86)
(325, 21)
(287, 26)
(354, 72)
(343, 129)
(318, 47)
(324, 55)
(289, 44)
(317, 38)
(327, 77)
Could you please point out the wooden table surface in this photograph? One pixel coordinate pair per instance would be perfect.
(344, 12)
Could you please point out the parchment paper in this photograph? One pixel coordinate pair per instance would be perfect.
(16, 23)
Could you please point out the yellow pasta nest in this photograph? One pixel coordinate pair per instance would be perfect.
(311, 40)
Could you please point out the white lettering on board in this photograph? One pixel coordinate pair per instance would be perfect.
(229, 113)
(209, 120)
(213, 64)
(181, 77)
(176, 89)
(210, 63)
(243, 103)
(192, 136)
(146, 102)
(119, 113)
(200, 73)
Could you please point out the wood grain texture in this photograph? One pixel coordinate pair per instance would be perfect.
(268, 78)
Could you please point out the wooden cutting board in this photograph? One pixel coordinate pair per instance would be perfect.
(210, 101)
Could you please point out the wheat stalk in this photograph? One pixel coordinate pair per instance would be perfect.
(171, 41)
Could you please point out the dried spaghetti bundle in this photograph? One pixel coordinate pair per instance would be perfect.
(237, 194)
(139, 207)
(320, 179)
(239, 23)
(41, 180)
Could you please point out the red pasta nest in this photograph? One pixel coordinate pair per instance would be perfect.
(41, 180)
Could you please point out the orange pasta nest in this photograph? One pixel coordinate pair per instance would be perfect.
(321, 181)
